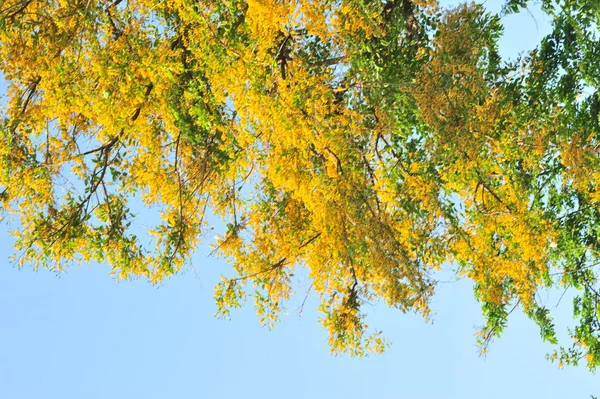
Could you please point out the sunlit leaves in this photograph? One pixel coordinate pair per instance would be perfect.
(370, 143)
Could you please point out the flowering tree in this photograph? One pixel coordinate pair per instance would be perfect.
(371, 142)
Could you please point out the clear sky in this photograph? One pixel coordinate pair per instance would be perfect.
(82, 335)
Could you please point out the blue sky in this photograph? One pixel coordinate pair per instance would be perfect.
(82, 335)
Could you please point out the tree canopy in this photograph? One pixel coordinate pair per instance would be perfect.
(371, 143)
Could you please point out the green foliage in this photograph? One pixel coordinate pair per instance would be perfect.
(371, 143)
